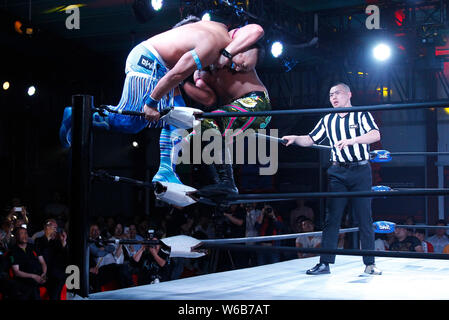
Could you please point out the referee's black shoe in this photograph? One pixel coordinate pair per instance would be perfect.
(320, 268)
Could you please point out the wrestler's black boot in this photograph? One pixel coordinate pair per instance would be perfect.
(225, 184)
(211, 174)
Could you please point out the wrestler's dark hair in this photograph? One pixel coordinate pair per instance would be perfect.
(187, 20)
(341, 83)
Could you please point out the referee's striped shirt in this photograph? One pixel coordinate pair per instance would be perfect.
(337, 128)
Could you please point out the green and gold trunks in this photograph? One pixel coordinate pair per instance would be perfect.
(253, 101)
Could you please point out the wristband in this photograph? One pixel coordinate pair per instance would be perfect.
(226, 54)
(150, 102)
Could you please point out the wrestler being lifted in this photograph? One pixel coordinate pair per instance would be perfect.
(155, 68)
(234, 88)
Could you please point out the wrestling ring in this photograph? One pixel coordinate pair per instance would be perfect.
(406, 275)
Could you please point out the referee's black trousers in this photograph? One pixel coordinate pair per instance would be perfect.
(343, 179)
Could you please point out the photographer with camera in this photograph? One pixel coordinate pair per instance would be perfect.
(53, 247)
(152, 260)
(103, 266)
(18, 216)
(269, 224)
(18, 213)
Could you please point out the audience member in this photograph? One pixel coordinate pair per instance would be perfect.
(132, 235)
(439, 240)
(233, 226)
(446, 249)
(404, 242)
(269, 223)
(421, 235)
(109, 229)
(118, 248)
(381, 243)
(204, 228)
(252, 214)
(307, 225)
(300, 210)
(152, 261)
(235, 218)
(410, 220)
(103, 267)
(10, 288)
(6, 234)
(142, 228)
(29, 268)
(18, 216)
(53, 247)
(187, 227)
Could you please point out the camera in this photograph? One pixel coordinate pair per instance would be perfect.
(268, 210)
(150, 234)
(99, 242)
(17, 209)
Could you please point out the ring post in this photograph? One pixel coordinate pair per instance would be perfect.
(80, 187)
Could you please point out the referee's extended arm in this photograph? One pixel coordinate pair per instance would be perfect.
(303, 141)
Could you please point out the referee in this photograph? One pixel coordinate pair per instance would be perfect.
(350, 135)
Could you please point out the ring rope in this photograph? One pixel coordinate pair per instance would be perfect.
(305, 234)
(264, 238)
(417, 105)
(243, 198)
(419, 153)
(102, 175)
(348, 252)
(354, 194)
(273, 238)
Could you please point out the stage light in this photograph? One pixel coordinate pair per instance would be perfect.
(382, 52)
(157, 4)
(23, 28)
(446, 110)
(6, 85)
(31, 90)
(206, 17)
(277, 48)
(145, 10)
(135, 144)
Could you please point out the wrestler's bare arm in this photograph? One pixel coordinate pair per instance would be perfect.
(185, 67)
(244, 38)
(207, 52)
(201, 92)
